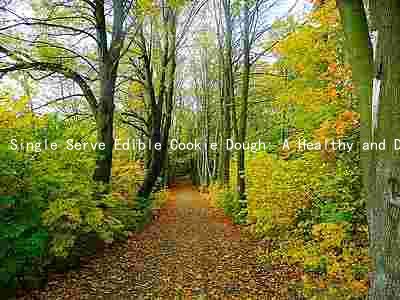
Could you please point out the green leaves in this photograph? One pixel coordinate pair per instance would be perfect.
(330, 213)
(7, 201)
(33, 246)
(232, 206)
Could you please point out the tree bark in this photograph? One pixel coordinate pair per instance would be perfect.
(104, 121)
(381, 169)
(386, 239)
(109, 57)
(159, 133)
(169, 103)
(228, 89)
(241, 170)
(156, 155)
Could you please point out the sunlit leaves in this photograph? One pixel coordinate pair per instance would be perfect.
(147, 8)
(17, 114)
(54, 54)
(136, 97)
(309, 60)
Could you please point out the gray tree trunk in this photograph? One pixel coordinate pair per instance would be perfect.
(385, 230)
(381, 169)
(228, 88)
(241, 171)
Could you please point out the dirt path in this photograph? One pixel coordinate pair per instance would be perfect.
(190, 252)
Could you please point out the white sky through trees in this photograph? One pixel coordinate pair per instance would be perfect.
(50, 88)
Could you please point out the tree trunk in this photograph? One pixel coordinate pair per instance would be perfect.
(381, 170)
(241, 170)
(156, 156)
(109, 57)
(386, 239)
(171, 86)
(153, 163)
(360, 54)
(104, 121)
(221, 130)
(160, 134)
(228, 89)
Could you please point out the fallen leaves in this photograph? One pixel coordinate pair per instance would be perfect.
(192, 251)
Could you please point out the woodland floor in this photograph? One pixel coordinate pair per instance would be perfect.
(190, 252)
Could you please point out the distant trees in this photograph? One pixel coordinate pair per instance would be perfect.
(104, 47)
(156, 44)
(239, 51)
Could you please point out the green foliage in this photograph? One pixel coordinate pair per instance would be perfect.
(50, 208)
(232, 206)
(23, 239)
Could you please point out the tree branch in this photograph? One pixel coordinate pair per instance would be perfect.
(141, 129)
(60, 69)
(42, 23)
(58, 100)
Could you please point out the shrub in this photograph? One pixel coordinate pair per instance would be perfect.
(277, 189)
(230, 203)
(23, 254)
(49, 212)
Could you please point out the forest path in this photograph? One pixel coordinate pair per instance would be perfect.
(192, 251)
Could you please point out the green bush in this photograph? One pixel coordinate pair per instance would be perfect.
(24, 240)
(233, 206)
(50, 210)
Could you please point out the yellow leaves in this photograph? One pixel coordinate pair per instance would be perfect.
(127, 176)
(160, 198)
(300, 94)
(279, 188)
(332, 68)
(214, 191)
(148, 7)
(329, 275)
(332, 93)
(335, 270)
(333, 130)
(346, 121)
(309, 55)
(136, 96)
(340, 127)
(63, 208)
(136, 89)
(300, 67)
(326, 14)
(94, 218)
(324, 132)
(351, 117)
(16, 114)
(329, 235)
(360, 287)
(276, 191)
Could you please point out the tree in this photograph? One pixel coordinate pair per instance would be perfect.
(154, 66)
(228, 87)
(252, 30)
(95, 73)
(244, 98)
(380, 169)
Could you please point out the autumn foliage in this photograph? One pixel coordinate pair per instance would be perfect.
(308, 203)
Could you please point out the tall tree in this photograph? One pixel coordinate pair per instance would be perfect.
(244, 101)
(254, 16)
(228, 87)
(381, 169)
(95, 73)
(158, 98)
(158, 42)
